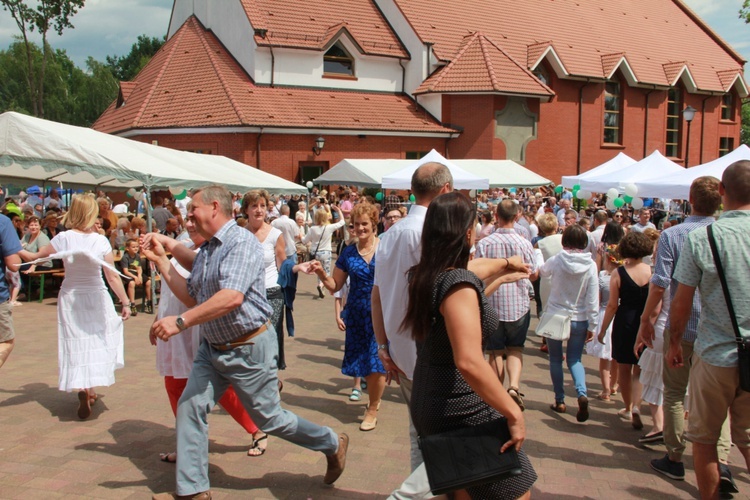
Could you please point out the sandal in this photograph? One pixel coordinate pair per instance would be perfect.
(257, 448)
(603, 397)
(281, 385)
(517, 397)
(356, 395)
(170, 458)
(84, 404)
(558, 407)
(625, 414)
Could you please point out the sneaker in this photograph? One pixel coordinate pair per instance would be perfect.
(583, 409)
(726, 483)
(656, 437)
(673, 470)
(149, 309)
(133, 310)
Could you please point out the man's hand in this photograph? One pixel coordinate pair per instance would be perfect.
(165, 328)
(673, 357)
(305, 267)
(646, 334)
(152, 246)
(391, 369)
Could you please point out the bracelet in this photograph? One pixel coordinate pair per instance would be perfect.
(507, 262)
(383, 347)
(127, 305)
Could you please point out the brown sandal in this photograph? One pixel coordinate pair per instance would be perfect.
(84, 404)
(558, 407)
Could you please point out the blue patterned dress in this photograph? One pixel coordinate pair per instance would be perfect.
(361, 349)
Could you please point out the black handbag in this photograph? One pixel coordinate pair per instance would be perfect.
(469, 456)
(743, 349)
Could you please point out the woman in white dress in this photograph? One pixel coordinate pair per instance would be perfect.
(90, 333)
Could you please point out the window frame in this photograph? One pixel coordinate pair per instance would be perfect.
(618, 113)
(728, 147)
(727, 108)
(676, 151)
(339, 60)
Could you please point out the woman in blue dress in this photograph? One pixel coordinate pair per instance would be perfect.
(357, 262)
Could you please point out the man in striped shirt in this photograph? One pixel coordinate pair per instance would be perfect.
(511, 300)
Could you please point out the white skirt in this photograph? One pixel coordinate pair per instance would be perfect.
(651, 363)
(601, 351)
(90, 339)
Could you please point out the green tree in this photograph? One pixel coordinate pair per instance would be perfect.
(45, 15)
(745, 130)
(745, 11)
(125, 68)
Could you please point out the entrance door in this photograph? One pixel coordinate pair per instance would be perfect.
(309, 170)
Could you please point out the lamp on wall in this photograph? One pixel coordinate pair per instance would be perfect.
(320, 142)
(688, 113)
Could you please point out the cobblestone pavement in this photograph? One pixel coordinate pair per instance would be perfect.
(46, 452)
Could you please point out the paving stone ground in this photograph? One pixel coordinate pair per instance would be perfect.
(46, 452)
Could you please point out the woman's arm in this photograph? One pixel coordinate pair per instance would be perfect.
(332, 283)
(43, 252)
(280, 251)
(614, 301)
(460, 311)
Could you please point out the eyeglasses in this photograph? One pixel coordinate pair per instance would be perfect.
(618, 216)
(393, 217)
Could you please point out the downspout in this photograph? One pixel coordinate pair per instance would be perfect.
(273, 64)
(645, 123)
(257, 149)
(703, 124)
(580, 125)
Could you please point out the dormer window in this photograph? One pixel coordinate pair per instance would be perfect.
(337, 61)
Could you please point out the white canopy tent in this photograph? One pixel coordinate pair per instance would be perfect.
(40, 150)
(614, 165)
(653, 166)
(503, 173)
(677, 185)
(462, 179)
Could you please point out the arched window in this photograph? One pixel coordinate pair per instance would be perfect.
(612, 113)
(674, 123)
(337, 61)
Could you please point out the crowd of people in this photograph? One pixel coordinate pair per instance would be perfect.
(433, 294)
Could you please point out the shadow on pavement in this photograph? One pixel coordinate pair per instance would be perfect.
(62, 405)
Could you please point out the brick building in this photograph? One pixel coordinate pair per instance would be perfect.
(558, 86)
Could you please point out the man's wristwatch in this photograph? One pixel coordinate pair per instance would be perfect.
(180, 323)
(383, 347)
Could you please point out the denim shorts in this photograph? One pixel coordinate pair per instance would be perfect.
(510, 335)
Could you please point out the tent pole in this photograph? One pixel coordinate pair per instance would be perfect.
(149, 228)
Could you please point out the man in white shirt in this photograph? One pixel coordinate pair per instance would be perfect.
(644, 222)
(564, 207)
(289, 230)
(399, 250)
(600, 219)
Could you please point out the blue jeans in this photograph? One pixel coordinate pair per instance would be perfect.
(573, 353)
(251, 370)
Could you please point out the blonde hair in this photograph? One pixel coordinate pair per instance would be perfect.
(83, 212)
(547, 223)
(321, 217)
(365, 209)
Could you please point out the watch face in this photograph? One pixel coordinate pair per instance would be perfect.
(180, 323)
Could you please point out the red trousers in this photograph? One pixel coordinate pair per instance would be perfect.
(229, 401)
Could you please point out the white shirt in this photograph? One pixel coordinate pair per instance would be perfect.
(595, 237)
(399, 249)
(642, 227)
(289, 229)
(182, 206)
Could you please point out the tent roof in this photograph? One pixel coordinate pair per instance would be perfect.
(617, 163)
(462, 179)
(653, 166)
(677, 185)
(41, 150)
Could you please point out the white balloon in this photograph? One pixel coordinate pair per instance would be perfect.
(473, 193)
(610, 204)
(138, 196)
(131, 192)
(613, 193)
(631, 190)
(637, 203)
(583, 194)
(175, 190)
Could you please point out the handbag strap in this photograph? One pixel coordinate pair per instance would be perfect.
(724, 287)
(320, 239)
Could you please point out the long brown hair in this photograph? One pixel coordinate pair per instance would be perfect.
(444, 245)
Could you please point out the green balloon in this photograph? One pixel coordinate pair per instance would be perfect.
(558, 189)
(575, 193)
(378, 196)
(618, 202)
(181, 196)
(628, 199)
(576, 188)
(412, 198)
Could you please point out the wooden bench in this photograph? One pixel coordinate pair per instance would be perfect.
(41, 274)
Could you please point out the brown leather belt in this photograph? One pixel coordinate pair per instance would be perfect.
(244, 340)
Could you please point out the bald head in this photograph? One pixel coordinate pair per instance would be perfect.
(736, 184)
(430, 180)
(284, 210)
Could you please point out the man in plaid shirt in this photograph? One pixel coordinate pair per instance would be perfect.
(511, 300)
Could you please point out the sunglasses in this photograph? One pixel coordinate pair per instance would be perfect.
(618, 216)
(350, 226)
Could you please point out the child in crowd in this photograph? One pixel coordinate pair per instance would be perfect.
(131, 267)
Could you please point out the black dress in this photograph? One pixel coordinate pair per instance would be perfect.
(627, 318)
(442, 400)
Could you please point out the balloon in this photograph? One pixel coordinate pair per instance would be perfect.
(610, 204)
(558, 189)
(628, 199)
(472, 193)
(182, 195)
(130, 193)
(637, 203)
(575, 193)
(613, 193)
(138, 195)
(512, 190)
(378, 196)
(175, 190)
(618, 202)
(583, 194)
(412, 198)
(577, 187)
(631, 190)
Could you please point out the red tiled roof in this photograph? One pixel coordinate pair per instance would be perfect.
(651, 33)
(482, 66)
(310, 24)
(194, 82)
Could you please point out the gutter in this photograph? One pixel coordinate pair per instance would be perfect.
(257, 149)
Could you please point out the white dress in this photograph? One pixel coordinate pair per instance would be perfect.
(175, 357)
(652, 360)
(89, 330)
(594, 348)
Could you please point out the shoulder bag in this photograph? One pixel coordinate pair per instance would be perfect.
(312, 254)
(556, 325)
(743, 349)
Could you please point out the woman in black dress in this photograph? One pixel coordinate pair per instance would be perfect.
(450, 320)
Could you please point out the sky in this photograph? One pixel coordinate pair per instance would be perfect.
(110, 27)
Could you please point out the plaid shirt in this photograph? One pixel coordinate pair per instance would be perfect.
(671, 242)
(510, 300)
(231, 260)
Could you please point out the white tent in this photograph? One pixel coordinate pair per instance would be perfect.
(615, 164)
(677, 185)
(653, 166)
(462, 179)
(503, 173)
(33, 149)
(363, 173)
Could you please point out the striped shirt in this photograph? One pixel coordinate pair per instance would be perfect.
(671, 242)
(510, 300)
(231, 260)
